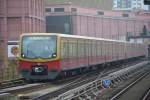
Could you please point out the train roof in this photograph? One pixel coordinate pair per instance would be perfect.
(72, 36)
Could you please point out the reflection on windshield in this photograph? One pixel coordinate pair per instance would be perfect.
(39, 47)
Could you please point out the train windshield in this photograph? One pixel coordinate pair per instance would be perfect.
(39, 47)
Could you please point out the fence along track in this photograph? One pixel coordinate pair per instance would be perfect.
(92, 89)
(129, 86)
(62, 94)
(66, 87)
(146, 95)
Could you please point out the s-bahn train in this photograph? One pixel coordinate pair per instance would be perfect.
(48, 55)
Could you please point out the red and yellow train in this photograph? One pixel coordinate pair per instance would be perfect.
(48, 55)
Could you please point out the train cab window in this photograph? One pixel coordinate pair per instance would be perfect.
(59, 9)
(34, 47)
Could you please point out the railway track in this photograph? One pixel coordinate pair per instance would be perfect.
(146, 96)
(91, 90)
(65, 85)
(29, 88)
(21, 81)
(74, 84)
(70, 84)
(12, 83)
(125, 90)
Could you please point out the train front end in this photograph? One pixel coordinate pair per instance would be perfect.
(39, 56)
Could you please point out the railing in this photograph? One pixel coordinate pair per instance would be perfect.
(92, 89)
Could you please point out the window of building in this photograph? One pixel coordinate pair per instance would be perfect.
(100, 13)
(59, 9)
(66, 28)
(125, 15)
(73, 9)
(48, 10)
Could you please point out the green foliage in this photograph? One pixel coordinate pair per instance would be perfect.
(10, 71)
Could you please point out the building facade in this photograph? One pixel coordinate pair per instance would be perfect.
(17, 17)
(21, 16)
(129, 5)
(97, 4)
(70, 19)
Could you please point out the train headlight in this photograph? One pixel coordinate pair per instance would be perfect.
(23, 55)
(38, 69)
(54, 55)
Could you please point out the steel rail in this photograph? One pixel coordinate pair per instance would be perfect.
(65, 88)
(74, 92)
(12, 83)
(129, 86)
(146, 95)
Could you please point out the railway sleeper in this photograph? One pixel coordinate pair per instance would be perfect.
(117, 81)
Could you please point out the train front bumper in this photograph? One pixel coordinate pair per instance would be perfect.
(28, 75)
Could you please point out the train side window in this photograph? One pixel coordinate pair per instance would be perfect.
(64, 49)
(76, 47)
(90, 48)
(118, 49)
(83, 48)
(109, 49)
(112, 45)
(101, 44)
(95, 48)
(73, 49)
(79, 48)
(102, 48)
(70, 49)
(96, 44)
(86, 48)
(111, 52)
